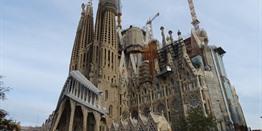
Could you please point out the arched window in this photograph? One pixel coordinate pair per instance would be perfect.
(91, 122)
(110, 110)
(160, 108)
(104, 57)
(108, 59)
(106, 94)
(112, 59)
(97, 51)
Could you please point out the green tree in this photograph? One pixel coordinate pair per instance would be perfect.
(197, 121)
(6, 124)
(3, 89)
(9, 125)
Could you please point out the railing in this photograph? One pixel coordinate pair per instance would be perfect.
(83, 95)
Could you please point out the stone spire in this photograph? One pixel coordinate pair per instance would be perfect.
(84, 38)
(105, 20)
(105, 52)
(119, 13)
(90, 2)
(179, 34)
(170, 32)
(83, 8)
(106, 35)
(89, 9)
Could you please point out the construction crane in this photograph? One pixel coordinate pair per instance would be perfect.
(152, 19)
(149, 28)
(195, 21)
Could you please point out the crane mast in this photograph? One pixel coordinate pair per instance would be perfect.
(195, 21)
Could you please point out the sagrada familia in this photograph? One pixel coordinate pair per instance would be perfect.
(127, 80)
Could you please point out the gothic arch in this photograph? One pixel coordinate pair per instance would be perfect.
(63, 124)
(146, 111)
(125, 114)
(110, 110)
(134, 114)
(78, 119)
(161, 107)
(103, 126)
(91, 122)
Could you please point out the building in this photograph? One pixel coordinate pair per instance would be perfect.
(46, 126)
(125, 79)
(89, 99)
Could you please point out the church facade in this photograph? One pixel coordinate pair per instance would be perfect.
(125, 79)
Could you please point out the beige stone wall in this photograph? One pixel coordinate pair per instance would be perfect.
(108, 67)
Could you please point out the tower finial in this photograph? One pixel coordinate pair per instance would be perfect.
(119, 13)
(90, 2)
(170, 32)
(83, 8)
(89, 8)
(179, 34)
(163, 36)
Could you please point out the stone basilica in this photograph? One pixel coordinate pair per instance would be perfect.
(125, 79)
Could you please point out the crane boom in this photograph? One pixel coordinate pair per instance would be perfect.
(195, 21)
(152, 19)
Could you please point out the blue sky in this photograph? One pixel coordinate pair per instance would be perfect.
(36, 39)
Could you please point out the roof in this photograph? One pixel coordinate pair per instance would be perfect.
(133, 27)
(84, 81)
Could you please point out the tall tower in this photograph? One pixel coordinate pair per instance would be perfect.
(106, 48)
(79, 107)
(81, 54)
